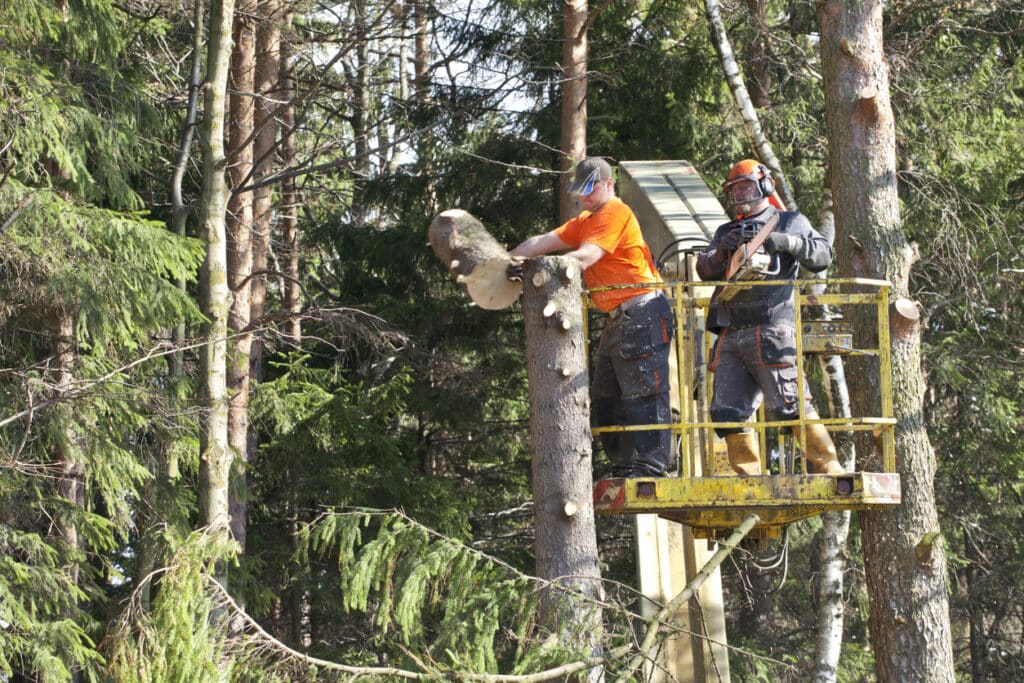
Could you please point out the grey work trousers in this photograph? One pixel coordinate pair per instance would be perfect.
(631, 387)
(751, 364)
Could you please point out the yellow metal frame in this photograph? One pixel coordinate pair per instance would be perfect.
(710, 503)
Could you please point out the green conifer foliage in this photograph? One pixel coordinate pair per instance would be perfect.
(429, 594)
(76, 246)
(112, 273)
(961, 151)
(402, 395)
(180, 638)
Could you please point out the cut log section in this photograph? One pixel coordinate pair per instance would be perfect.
(474, 258)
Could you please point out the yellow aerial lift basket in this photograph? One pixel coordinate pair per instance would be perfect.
(704, 493)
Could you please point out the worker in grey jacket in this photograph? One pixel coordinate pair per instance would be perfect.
(754, 357)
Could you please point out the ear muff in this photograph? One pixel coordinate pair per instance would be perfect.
(765, 183)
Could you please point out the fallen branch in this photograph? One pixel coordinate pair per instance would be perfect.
(654, 625)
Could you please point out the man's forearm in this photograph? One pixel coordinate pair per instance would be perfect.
(538, 245)
(588, 254)
(709, 267)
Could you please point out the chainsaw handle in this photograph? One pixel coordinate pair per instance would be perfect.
(777, 262)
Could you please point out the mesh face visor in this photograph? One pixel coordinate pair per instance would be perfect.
(742, 190)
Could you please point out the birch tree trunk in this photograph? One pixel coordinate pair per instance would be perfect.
(904, 559)
(215, 457)
(289, 208)
(566, 541)
(239, 232)
(765, 153)
(574, 100)
(835, 525)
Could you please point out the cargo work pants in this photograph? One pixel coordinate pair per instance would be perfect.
(631, 387)
(752, 363)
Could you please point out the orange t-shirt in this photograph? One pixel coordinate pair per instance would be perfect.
(628, 260)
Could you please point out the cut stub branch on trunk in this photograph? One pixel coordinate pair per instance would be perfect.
(474, 258)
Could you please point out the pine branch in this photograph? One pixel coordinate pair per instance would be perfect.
(14, 214)
(556, 673)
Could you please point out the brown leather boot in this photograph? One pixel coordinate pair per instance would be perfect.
(744, 454)
(821, 452)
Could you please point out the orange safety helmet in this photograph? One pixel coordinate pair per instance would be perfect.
(749, 170)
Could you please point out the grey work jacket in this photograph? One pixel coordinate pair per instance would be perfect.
(769, 304)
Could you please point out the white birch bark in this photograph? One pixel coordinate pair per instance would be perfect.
(289, 207)
(835, 530)
(215, 463)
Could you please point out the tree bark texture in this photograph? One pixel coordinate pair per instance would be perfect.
(239, 231)
(835, 525)
(474, 258)
(560, 440)
(289, 208)
(574, 99)
(828, 591)
(179, 210)
(905, 564)
(70, 482)
(215, 463)
(835, 529)
(361, 105)
(268, 92)
(421, 88)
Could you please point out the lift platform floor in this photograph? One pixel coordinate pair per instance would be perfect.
(718, 503)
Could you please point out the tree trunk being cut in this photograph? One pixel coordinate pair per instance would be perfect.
(474, 258)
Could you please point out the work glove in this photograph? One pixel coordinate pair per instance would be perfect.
(514, 271)
(732, 239)
(727, 243)
(780, 242)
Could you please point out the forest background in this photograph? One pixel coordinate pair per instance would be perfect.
(380, 502)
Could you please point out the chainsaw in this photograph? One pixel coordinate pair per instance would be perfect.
(750, 261)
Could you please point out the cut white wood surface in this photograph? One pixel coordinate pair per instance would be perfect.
(474, 258)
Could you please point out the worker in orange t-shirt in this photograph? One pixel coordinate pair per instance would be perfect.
(631, 380)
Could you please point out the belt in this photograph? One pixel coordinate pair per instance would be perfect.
(633, 303)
